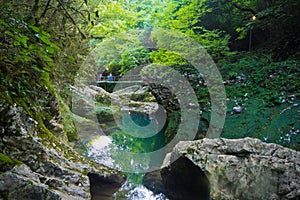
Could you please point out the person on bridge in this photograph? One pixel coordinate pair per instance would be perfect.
(110, 77)
(100, 77)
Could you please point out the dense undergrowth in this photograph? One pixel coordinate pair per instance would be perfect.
(30, 75)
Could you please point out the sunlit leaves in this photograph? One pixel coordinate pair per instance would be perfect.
(167, 58)
(21, 40)
(34, 28)
(113, 19)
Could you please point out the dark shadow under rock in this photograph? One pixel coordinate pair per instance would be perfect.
(153, 181)
(182, 180)
(103, 187)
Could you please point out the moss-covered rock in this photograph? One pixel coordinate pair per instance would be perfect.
(135, 93)
(61, 171)
(6, 163)
(103, 98)
(68, 122)
(144, 97)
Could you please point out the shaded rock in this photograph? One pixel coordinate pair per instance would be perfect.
(128, 91)
(94, 103)
(165, 97)
(22, 183)
(177, 180)
(173, 92)
(235, 169)
(102, 187)
(136, 99)
(153, 181)
(51, 170)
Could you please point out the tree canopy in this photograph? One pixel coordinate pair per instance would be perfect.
(43, 43)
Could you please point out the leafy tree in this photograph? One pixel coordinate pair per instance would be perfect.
(37, 38)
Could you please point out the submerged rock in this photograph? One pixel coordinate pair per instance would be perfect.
(230, 169)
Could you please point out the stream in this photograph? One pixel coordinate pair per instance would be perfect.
(133, 135)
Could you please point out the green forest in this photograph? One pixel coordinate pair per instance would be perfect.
(255, 45)
(53, 54)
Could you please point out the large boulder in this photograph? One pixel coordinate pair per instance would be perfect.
(36, 165)
(229, 169)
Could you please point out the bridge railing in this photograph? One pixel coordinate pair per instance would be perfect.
(121, 78)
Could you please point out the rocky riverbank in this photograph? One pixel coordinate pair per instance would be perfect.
(34, 164)
(228, 169)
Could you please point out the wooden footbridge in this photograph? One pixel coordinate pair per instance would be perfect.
(109, 82)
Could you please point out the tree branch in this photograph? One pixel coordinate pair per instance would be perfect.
(244, 9)
(45, 10)
(72, 20)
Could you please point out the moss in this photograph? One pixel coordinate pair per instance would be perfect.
(103, 125)
(143, 97)
(6, 163)
(67, 121)
(104, 114)
(135, 104)
(107, 114)
(103, 98)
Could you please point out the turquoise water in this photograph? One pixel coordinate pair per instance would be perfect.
(136, 127)
(135, 134)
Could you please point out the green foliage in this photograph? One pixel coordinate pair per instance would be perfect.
(167, 58)
(26, 64)
(32, 48)
(113, 18)
(103, 99)
(132, 59)
(180, 16)
(104, 114)
(262, 78)
(184, 17)
(143, 97)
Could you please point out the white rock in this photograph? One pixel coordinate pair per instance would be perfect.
(237, 109)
